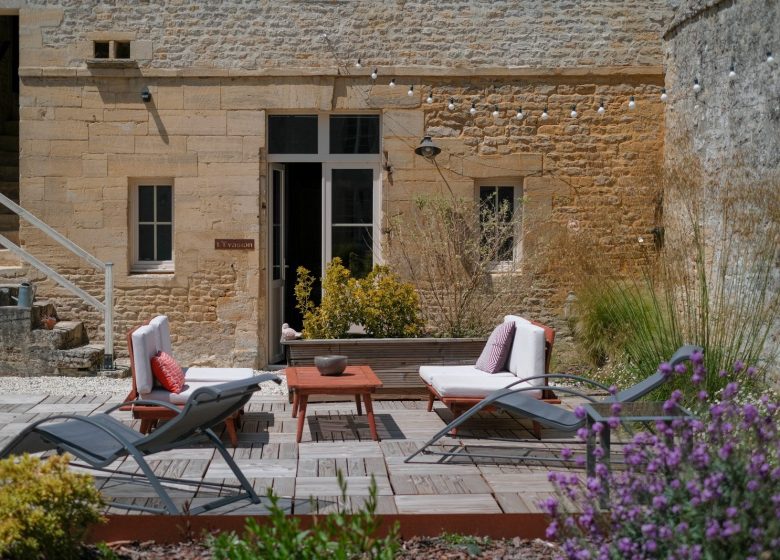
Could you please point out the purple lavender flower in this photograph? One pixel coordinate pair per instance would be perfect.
(580, 412)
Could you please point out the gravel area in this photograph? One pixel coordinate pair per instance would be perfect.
(81, 386)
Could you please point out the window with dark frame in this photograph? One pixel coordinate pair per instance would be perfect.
(354, 134)
(155, 223)
(122, 49)
(498, 203)
(292, 134)
(102, 49)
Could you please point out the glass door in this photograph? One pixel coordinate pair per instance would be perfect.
(351, 199)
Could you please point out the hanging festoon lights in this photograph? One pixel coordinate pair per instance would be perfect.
(358, 64)
(601, 110)
(473, 110)
(520, 115)
(495, 111)
(631, 103)
(664, 96)
(411, 91)
(696, 85)
(769, 58)
(429, 99)
(374, 74)
(392, 82)
(451, 105)
(573, 113)
(545, 114)
(732, 73)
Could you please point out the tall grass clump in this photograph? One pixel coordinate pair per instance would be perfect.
(713, 282)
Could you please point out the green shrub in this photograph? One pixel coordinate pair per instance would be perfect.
(340, 535)
(383, 304)
(45, 509)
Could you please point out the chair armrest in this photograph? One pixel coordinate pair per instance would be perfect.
(143, 402)
(561, 376)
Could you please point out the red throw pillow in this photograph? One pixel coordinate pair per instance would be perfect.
(496, 351)
(168, 372)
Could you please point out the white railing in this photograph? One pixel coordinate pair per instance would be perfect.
(106, 306)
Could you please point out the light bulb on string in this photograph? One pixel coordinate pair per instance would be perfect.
(429, 99)
(732, 73)
(573, 113)
(411, 91)
(769, 58)
(451, 106)
(545, 115)
(495, 111)
(601, 110)
(392, 82)
(357, 64)
(696, 85)
(664, 96)
(520, 115)
(473, 109)
(374, 74)
(631, 103)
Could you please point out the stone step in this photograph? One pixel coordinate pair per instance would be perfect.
(83, 360)
(64, 336)
(9, 173)
(9, 143)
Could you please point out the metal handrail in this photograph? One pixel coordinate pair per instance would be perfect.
(106, 306)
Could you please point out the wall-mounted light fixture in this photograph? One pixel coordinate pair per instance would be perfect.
(146, 95)
(427, 148)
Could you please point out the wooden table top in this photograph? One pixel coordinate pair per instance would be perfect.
(354, 379)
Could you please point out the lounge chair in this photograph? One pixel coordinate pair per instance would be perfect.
(512, 399)
(101, 439)
(143, 343)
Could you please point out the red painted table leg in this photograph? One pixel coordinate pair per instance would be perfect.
(370, 412)
(301, 416)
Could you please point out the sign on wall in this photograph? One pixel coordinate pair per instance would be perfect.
(234, 244)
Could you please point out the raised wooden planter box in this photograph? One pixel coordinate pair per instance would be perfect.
(396, 361)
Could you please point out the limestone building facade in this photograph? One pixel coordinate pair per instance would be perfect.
(208, 148)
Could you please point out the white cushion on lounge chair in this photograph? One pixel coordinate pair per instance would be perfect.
(476, 386)
(527, 356)
(144, 348)
(160, 394)
(162, 329)
(428, 372)
(218, 374)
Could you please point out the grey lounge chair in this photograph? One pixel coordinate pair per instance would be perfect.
(550, 415)
(101, 439)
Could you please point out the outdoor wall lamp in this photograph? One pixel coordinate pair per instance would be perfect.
(427, 148)
(146, 95)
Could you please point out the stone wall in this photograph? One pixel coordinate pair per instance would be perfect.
(726, 138)
(247, 34)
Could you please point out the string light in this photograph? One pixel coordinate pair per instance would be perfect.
(392, 82)
(732, 73)
(357, 64)
(374, 74)
(411, 91)
(696, 85)
(573, 113)
(495, 111)
(601, 108)
(520, 115)
(451, 106)
(545, 116)
(631, 103)
(664, 96)
(429, 99)
(473, 109)
(769, 58)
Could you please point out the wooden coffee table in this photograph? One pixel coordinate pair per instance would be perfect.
(360, 381)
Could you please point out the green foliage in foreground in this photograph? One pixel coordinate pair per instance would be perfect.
(45, 509)
(341, 535)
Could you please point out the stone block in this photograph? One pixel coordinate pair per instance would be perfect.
(403, 123)
(201, 97)
(300, 93)
(127, 128)
(66, 148)
(168, 97)
(103, 144)
(142, 50)
(246, 123)
(50, 167)
(160, 144)
(126, 115)
(502, 166)
(216, 148)
(35, 148)
(40, 17)
(195, 123)
(248, 169)
(78, 114)
(95, 165)
(152, 165)
(53, 130)
(252, 146)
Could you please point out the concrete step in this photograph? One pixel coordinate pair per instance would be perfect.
(83, 360)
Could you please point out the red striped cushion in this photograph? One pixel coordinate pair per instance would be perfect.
(168, 372)
(494, 356)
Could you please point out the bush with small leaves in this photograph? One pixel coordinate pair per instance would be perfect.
(45, 509)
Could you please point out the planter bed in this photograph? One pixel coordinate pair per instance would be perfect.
(396, 361)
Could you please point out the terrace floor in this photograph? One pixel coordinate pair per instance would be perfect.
(335, 438)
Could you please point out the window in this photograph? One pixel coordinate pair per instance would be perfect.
(292, 134)
(102, 49)
(122, 49)
(499, 213)
(352, 222)
(354, 134)
(152, 211)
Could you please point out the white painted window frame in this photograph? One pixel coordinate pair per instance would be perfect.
(142, 267)
(517, 250)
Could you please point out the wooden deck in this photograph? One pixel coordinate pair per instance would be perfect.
(335, 438)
